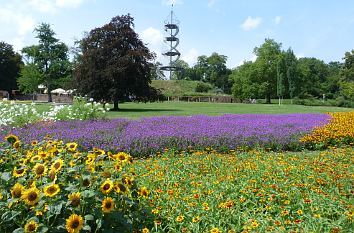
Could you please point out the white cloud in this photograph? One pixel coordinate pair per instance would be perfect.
(191, 56)
(252, 58)
(277, 20)
(44, 6)
(22, 23)
(299, 55)
(154, 40)
(26, 24)
(68, 3)
(17, 43)
(251, 23)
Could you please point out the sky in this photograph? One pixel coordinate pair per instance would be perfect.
(312, 28)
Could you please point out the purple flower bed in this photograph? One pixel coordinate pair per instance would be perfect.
(148, 135)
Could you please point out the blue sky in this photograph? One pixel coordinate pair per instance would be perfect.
(313, 28)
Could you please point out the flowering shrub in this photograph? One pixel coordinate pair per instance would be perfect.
(340, 130)
(149, 135)
(51, 186)
(15, 115)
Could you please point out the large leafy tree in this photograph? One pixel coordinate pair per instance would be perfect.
(114, 64)
(347, 77)
(267, 59)
(10, 63)
(47, 63)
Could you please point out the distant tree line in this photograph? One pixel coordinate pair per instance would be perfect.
(112, 64)
(276, 73)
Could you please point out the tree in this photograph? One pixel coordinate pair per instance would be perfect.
(182, 72)
(347, 77)
(267, 60)
(281, 73)
(10, 63)
(156, 72)
(49, 57)
(115, 64)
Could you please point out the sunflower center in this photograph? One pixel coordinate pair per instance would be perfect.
(86, 182)
(122, 157)
(52, 189)
(106, 186)
(75, 223)
(32, 196)
(31, 227)
(20, 171)
(108, 205)
(57, 165)
(72, 146)
(40, 170)
(75, 201)
(17, 193)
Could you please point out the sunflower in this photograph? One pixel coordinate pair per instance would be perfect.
(17, 190)
(52, 175)
(35, 158)
(74, 223)
(31, 226)
(16, 144)
(71, 146)
(128, 181)
(57, 165)
(118, 166)
(144, 192)
(31, 196)
(51, 190)
(74, 199)
(34, 143)
(107, 186)
(145, 230)
(11, 138)
(179, 218)
(120, 188)
(39, 169)
(196, 219)
(86, 182)
(98, 152)
(43, 155)
(122, 157)
(18, 172)
(107, 205)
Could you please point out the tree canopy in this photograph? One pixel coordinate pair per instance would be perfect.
(47, 62)
(114, 64)
(10, 63)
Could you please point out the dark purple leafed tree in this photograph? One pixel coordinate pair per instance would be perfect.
(113, 64)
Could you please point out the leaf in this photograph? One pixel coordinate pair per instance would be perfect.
(6, 176)
(18, 230)
(87, 228)
(89, 217)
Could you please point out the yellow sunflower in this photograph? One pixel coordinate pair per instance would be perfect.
(57, 165)
(71, 146)
(179, 218)
(43, 155)
(34, 143)
(11, 138)
(74, 223)
(128, 181)
(118, 166)
(16, 144)
(51, 190)
(52, 175)
(17, 190)
(35, 158)
(98, 152)
(74, 199)
(107, 205)
(122, 157)
(31, 226)
(19, 172)
(144, 192)
(31, 196)
(39, 170)
(120, 188)
(107, 186)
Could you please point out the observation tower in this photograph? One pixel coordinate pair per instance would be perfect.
(172, 29)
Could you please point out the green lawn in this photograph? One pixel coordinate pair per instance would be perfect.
(137, 110)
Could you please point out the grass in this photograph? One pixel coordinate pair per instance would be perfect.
(137, 110)
(178, 87)
(250, 192)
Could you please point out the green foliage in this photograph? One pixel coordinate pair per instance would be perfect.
(114, 64)
(203, 87)
(47, 62)
(10, 63)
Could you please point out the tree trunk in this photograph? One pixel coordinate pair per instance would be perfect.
(50, 99)
(115, 106)
(268, 99)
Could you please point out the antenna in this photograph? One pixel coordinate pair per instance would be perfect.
(172, 29)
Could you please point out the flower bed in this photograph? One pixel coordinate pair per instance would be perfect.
(149, 135)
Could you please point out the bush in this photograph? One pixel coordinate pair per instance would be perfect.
(203, 87)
